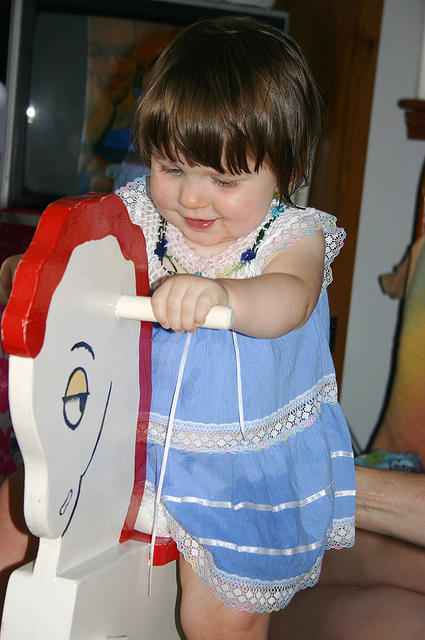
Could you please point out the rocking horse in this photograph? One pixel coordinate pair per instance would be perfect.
(79, 389)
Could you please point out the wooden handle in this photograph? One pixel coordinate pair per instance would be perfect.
(140, 308)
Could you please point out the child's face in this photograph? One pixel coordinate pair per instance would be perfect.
(211, 209)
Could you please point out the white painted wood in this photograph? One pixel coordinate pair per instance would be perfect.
(103, 597)
(79, 467)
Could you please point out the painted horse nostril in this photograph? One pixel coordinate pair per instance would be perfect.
(66, 503)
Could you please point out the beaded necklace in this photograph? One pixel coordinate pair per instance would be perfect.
(246, 256)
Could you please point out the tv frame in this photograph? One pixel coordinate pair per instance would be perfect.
(13, 193)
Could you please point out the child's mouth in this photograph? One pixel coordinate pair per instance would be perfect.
(199, 224)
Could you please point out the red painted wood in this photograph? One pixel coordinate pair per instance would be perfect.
(64, 225)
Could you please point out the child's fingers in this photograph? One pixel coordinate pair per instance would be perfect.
(182, 302)
(197, 302)
(7, 274)
(167, 303)
(5, 282)
(3, 296)
(194, 310)
(179, 311)
(159, 306)
(204, 303)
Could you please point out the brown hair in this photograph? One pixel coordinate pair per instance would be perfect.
(230, 90)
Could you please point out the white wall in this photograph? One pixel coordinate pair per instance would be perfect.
(392, 175)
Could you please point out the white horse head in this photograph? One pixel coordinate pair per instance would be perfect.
(79, 375)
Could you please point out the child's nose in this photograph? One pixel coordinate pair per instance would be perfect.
(192, 194)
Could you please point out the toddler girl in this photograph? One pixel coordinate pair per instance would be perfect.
(249, 455)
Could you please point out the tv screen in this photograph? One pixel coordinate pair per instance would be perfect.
(75, 71)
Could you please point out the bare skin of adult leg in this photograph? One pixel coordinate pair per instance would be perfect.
(375, 560)
(351, 613)
(375, 590)
(205, 617)
(17, 544)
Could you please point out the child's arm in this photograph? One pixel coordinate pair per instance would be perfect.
(280, 300)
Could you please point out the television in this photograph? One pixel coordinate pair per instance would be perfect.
(75, 70)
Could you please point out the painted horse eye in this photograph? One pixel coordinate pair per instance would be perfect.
(75, 398)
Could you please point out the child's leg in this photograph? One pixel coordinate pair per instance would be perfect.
(205, 617)
(17, 545)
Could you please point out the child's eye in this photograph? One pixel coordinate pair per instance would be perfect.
(226, 184)
(174, 171)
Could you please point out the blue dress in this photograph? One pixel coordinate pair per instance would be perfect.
(259, 480)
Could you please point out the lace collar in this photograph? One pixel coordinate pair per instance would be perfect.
(176, 256)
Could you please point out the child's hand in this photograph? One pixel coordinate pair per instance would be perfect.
(7, 273)
(182, 302)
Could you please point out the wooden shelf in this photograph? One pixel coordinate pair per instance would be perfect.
(414, 116)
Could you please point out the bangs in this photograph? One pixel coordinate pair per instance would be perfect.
(204, 116)
(205, 141)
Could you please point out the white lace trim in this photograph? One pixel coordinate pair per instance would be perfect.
(343, 533)
(291, 225)
(142, 212)
(246, 593)
(298, 414)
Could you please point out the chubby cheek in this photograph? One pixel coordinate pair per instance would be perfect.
(246, 215)
(161, 193)
(238, 226)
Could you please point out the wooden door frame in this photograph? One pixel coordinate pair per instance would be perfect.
(341, 41)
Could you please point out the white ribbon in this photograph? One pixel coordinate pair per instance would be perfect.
(239, 380)
(170, 433)
(164, 459)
